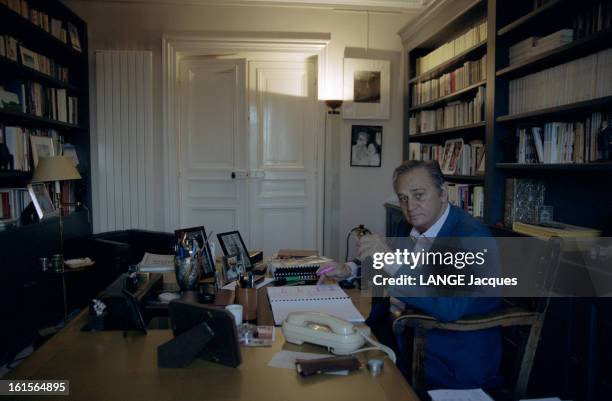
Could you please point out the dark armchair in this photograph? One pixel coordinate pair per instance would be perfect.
(510, 316)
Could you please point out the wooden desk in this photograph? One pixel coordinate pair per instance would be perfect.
(106, 366)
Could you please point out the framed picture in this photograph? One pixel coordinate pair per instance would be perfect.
(366, 145)
(74, 36)
(42, 146)
(194, 238)
(232, 244)
(367, 89)
(232, 268)
(42, 201)
(452, 152)
(28, 58)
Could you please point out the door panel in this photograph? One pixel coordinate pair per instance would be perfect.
(211, 145)
(282, 104)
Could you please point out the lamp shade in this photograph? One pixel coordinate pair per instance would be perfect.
(55, 168)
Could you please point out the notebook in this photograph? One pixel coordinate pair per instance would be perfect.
(330, 299)
(302, 268)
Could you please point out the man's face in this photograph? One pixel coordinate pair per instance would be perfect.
(362, 139)
(421, 201)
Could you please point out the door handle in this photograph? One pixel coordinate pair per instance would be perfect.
(241, 175)
(233, 175)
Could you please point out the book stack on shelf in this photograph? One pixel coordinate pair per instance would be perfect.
(460, 44)
(579, 80)
(14, 51)
(566, 142)
(452, 115)
(470, 73)
(534, 45)
(595, 18)
(59, 28)
(41, 101)
(455, 157)
(467, 197)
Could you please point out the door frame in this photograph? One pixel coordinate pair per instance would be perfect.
(176, 45)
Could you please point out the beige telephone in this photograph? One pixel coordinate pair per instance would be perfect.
(338, 335)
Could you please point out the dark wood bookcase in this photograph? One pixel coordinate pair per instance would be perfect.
(30, 299)
(41, 41)
(573, 359)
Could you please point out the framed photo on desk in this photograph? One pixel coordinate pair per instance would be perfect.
(42, 201)
(232, 245)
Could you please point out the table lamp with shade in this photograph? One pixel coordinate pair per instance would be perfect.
(56, 169)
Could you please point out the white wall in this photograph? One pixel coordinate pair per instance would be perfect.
(115, 26)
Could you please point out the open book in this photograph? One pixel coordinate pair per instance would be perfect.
(330, 299)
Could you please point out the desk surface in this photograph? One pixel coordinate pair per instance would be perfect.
(107, 366)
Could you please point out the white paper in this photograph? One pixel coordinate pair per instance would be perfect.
(459, 395)
(152, 262)
(231, 286)
(286, 360)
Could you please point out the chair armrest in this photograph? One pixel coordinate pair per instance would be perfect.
(502, 318)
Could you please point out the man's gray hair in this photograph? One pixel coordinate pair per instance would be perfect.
(431, 166)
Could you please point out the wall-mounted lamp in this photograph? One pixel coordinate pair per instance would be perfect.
(333, 105)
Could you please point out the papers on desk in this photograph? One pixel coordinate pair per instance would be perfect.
(459, 395)
(330, 299)
(155, 263)
(286, 360)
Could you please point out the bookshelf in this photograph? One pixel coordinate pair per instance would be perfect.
(455, 84)
(578, 191)
(55, 56)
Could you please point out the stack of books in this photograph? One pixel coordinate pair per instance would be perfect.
(561, 142)
(455, 157)
(554, 229)
(579, 80)
(471, 38)
(453, 115)
(472, 72)
(467, 197)
(594, 18)
(534, 45)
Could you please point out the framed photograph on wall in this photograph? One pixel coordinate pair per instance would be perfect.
(366, 145)
(42, 201)
(186, 236)
(42, 146)
(232, 244)
(367, 89)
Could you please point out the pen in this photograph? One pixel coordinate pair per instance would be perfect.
(325, 270)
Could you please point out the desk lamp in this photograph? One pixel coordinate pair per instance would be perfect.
(56, 169)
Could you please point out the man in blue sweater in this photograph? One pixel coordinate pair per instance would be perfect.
(453, 359)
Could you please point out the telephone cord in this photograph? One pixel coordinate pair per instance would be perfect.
(377, 346)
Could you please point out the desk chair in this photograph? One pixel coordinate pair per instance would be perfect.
(508, 316)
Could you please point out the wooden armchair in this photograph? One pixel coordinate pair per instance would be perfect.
(508, 316)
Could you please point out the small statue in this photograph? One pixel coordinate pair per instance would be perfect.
(604, 140)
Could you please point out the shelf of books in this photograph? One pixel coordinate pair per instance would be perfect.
(43, 102)
(553, 122)
(447, 95)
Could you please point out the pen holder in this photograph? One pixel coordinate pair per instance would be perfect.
(247, 297)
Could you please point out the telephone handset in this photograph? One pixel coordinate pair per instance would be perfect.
(340, 336)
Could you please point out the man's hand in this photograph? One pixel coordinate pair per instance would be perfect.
(334, 270)
(371, 244)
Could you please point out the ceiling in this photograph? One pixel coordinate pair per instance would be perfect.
(373, 5)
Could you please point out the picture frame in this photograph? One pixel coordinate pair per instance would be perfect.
(42, 146)
(232, 244)
(207, 260)
(232, 269)
(28, 58)
(366, 145)
(73, 32)
(41, 200)
(367, 89)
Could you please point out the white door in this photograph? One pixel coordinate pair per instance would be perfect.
(213, 145)
(283, 149)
